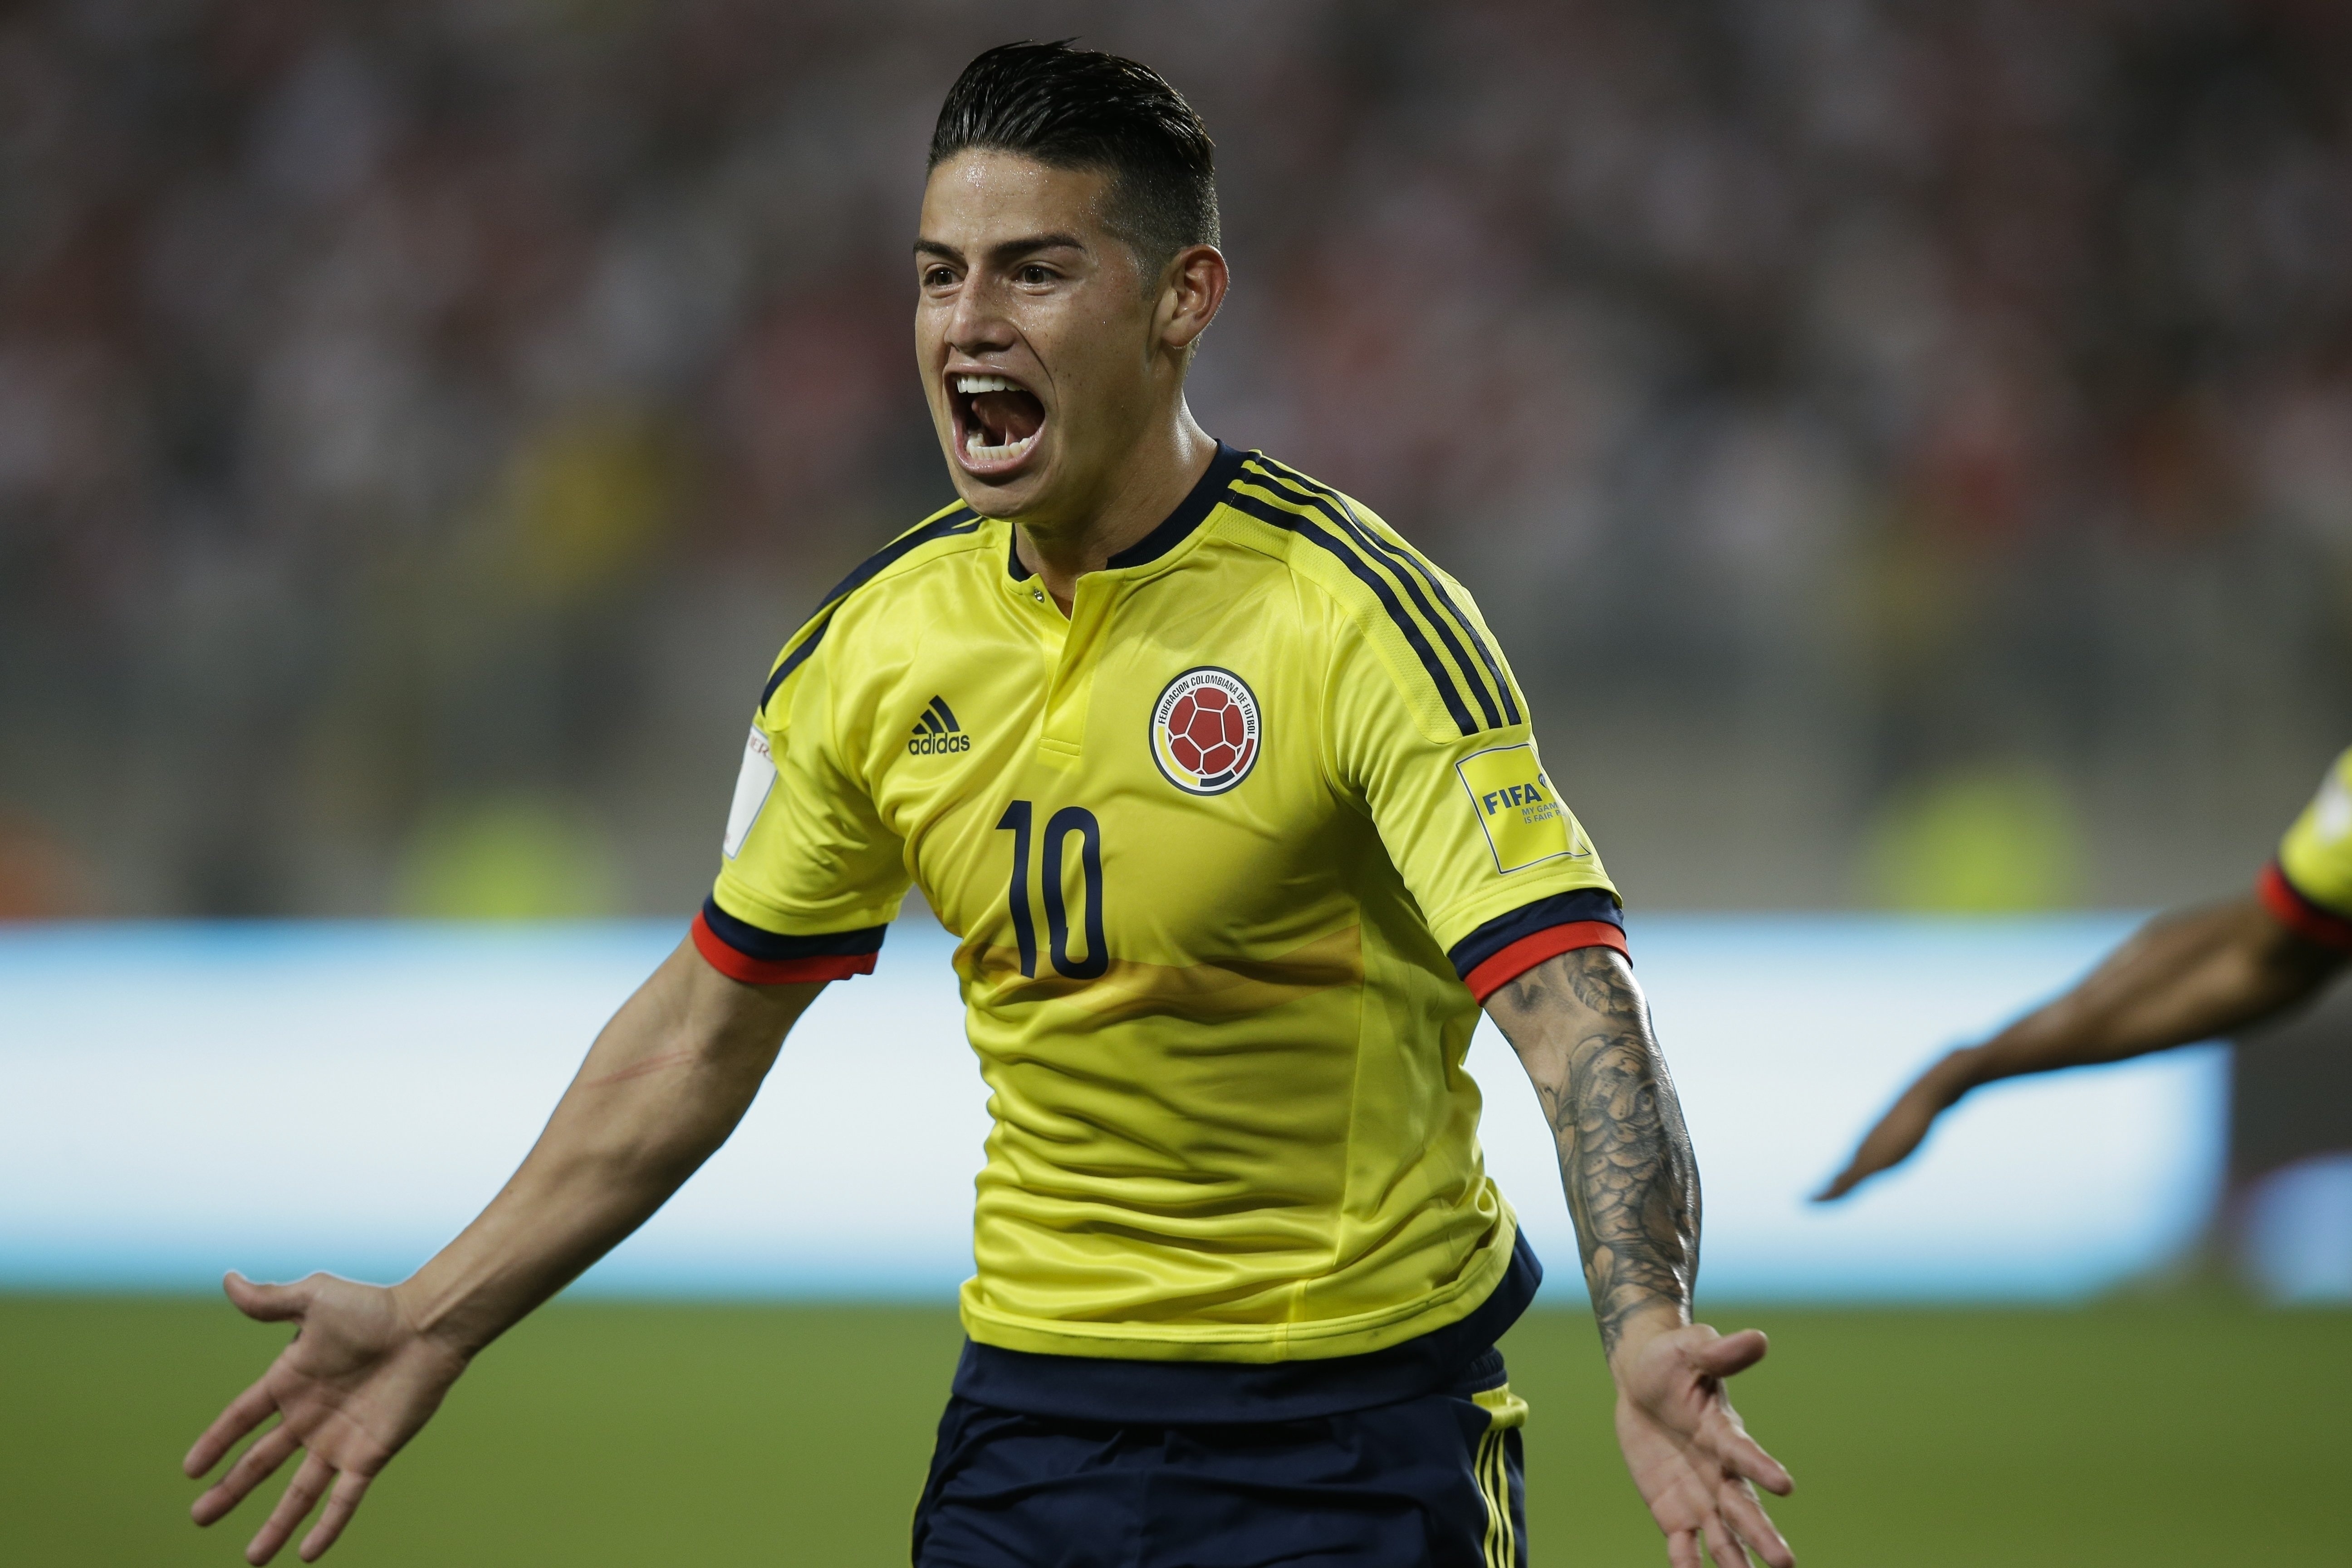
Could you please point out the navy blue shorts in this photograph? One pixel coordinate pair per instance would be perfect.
(1431, 1481)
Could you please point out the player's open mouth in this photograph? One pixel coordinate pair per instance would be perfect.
(997, 421)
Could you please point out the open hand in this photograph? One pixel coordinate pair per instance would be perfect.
(1696, 1465)
(356, 1384)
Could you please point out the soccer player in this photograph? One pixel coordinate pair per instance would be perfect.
(2187, 975)
(1235, 808)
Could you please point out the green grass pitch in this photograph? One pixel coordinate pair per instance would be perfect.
(605, 1432)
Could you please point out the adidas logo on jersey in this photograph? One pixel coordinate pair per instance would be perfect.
(938, 731)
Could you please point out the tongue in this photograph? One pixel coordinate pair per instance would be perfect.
(1008, 416)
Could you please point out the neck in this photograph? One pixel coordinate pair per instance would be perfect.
(1147, 484)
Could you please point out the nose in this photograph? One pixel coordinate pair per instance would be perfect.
(977, 323)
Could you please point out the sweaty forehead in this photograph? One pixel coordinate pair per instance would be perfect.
(980, 198)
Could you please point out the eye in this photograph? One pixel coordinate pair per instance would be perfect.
(938, 278)
(1035, 274)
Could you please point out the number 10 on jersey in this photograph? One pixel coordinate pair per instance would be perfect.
(1018, 820)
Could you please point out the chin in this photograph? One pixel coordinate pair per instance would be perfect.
(1011, 496)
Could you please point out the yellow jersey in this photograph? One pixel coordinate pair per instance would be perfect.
(2309, 886)
(1232, 850)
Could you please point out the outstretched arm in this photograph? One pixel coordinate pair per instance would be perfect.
(2185, 976)
(1581, 1028)
(663, 1085)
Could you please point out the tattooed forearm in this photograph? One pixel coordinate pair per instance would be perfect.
(1580, 1024)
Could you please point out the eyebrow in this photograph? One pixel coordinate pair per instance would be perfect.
(1006, 251)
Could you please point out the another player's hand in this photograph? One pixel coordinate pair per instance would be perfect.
(356, 1384)
(1696, 1465)
(1905, 1124)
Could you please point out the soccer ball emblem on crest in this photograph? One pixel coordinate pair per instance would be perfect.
(1205, 730)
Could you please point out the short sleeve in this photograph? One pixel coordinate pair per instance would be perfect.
(2309, 886)
(810, 878)
(1503, 871)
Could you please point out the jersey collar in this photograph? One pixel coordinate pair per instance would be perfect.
(1173, 529)
(1190, 512)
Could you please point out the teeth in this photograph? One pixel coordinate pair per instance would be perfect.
(976, 447)
(975, 440)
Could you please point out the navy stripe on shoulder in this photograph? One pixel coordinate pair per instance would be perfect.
(962, 519)
(774, 947)
(1308, 529)
(1372, 537)
(1332, 504)
(798, 657)
(1559, 910)
(1198, 502)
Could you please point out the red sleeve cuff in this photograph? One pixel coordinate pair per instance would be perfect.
(752, 970)
(1529, 950)
(2298, 913)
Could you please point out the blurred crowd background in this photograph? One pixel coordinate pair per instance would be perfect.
(1906, 449)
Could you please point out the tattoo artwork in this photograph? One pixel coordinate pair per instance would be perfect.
(1580, 1024)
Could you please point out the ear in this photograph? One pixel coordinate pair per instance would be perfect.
(1191, 290)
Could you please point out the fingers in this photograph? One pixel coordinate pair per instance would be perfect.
(1727, 1443)
(245, 1412)
(1891, 1140)
(1871, 1156)
(1743, 1456)
(247, 1473)
(1716, 1433)
(269, 1303)
(1681, 1550)
(301, 1496)
(1755, 1526)
(341, 1505)
(1845, 1181)
(1731, 1353)
(1868, 1161)
(1723, 1546)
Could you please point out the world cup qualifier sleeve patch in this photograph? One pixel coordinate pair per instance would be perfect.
(1205, 730)
(1522, 816)
(752, 785)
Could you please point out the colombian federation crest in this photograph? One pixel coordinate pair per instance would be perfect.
(1204, 733)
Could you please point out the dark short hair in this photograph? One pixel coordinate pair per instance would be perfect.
(1081, 109)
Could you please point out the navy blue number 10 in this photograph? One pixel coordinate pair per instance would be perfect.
(1078, 819)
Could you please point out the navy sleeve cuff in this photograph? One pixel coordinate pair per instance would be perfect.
(742, 951)
(1584, 905)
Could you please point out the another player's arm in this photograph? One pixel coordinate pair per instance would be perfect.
(2185, 976)
(665, 1083)
(1582, 1030)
